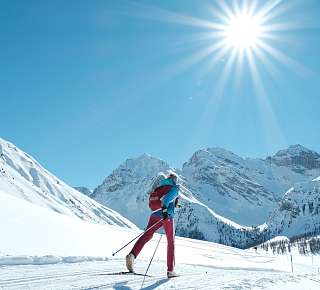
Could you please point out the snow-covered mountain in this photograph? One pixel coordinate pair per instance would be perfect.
(245, 190)
(126, 190)
(298, 212)
(41, 249)
(23, 177)
(227, 198)
(83, 189)
(299, 159)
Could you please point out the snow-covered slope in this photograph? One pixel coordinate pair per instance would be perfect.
(126, 190)
(34, 230)
(227, 198)
(298, 212)
(41, 249)
(245, 190)
(85, 190)
(299, 159)
(23, 177)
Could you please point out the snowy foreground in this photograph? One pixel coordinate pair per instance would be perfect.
(41, 249)
(93, 275)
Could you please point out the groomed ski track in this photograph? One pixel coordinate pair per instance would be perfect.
(88, 275)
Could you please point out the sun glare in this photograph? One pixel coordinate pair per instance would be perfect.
(242, 31)
(234, 43)
(240, 36)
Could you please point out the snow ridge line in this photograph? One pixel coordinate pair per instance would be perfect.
(9, 260)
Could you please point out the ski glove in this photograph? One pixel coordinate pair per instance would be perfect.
(164, 212)
(176, 203)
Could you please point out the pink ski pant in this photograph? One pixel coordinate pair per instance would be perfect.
(168, 226)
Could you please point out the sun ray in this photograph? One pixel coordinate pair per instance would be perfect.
(245, 7)
(273, 71)
(284, 59)
(227, 70)
(225, 9)
(223, 79)
(239, 68)
(160, 14)
(281, 8)
(218, 14)
(266, 10)
(236, 7)
(268, 118)
(241, 27)
(271, 36)
(174, 69)
(282, 26)
(217, 96)
(240, 35)
(252, 8)
(205, 38)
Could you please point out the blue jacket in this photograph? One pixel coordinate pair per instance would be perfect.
(169, 199)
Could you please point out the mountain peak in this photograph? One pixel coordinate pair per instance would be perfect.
(144, 164)
(297, 157)
(146, 156)
(296, 149)
(132, 171)
(221, 152)
(213, 155)
(24, 178)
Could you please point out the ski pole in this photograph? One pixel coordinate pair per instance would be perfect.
(156, 251)
(137, 237)
(151, 261)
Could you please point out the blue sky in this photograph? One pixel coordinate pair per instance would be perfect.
(88, 84)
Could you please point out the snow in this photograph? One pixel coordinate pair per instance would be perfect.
(93, 275)
(43, 249)
(45, 260)
(45, 232)
(278, 238)
(294, 150)
(244, 190)
(136, 175)
(54, 237)
(23, 177)
(83, 189)
(224, 196)
(298, 212)
(126, 191)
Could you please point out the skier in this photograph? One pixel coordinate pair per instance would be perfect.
(162, 201)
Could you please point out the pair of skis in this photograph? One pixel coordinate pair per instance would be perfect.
(124, 273)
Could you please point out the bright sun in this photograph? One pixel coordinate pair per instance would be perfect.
(242, 31)
(239, 37)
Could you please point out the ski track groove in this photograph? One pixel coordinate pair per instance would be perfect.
(35, 278)
(77, 276)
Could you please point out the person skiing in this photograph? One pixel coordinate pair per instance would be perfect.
(161, 216)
